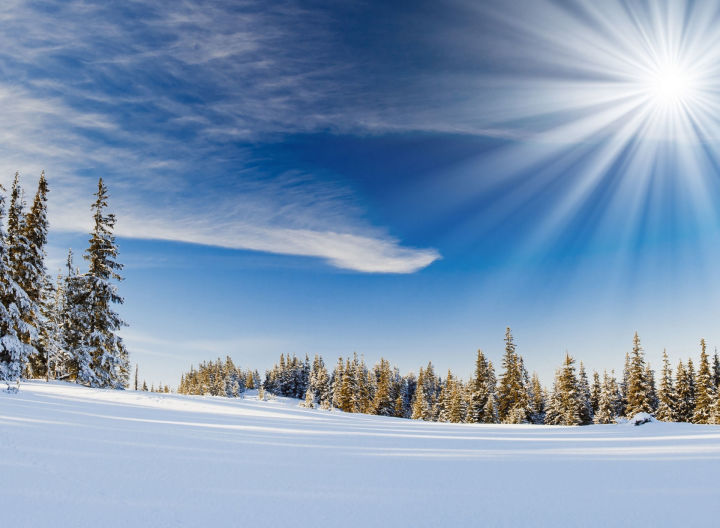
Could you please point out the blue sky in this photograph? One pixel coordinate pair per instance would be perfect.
(401, 179)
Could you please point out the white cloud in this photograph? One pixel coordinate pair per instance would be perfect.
(237, 73)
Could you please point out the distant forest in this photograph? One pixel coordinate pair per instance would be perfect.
(685, 395)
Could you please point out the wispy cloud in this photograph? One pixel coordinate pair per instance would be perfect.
(157, 98)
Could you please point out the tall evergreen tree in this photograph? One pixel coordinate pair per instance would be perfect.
(595, 392)
(15, 347)
(35, 231)
(586, 412)
(537, 400)
(513, 404)
(704, 389)
(666, 395)
(109, 355)
(639, 394)
(609, 403)
(716, 370)
(480, 389)
(383, 403)
(685, 394)
(567, 403)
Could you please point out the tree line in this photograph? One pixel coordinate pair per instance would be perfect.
(514, 397)
(64, 328)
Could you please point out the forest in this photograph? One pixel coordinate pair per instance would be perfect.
(685, 395)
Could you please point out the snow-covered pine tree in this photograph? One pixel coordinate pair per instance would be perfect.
(420, 406)
(704, 389)
(457, 409)
(638, 386)
(319, 383)
(586, 413)
(480, 388)
(666, 395)
(309, 402)
(623, 386)
(16, 333)
(336, 384)
(513, 404)
(50, 335)
(110, 362)
(568, 404)
(36, 283)
(595, 391)
(716, 370)
(608, 403)
(383, 403)
(685, 397)
(537, 400)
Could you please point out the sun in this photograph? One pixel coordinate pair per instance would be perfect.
(670, 84)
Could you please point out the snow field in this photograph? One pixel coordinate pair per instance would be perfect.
(72, 456)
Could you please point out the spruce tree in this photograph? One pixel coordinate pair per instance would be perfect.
(537, 400)
(480, 389)
(513, 404)
(608, 403)
(595, 392)
(704, 389)
(666, 395)
(638, 386)
(336, 384)
(16, 332)
(110, 363)
(685, 398)
(420, 406)
(567, 401)
(586, 412)
(36, 283)
(50, 336)
(383, 403)
(716, 370)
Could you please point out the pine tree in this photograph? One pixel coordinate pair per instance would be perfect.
(595, 392)
(513, 404)
(109, 356)
(75, 323)
(685, 398)
(666, 395)
(586, 412)
(567, 400)
(704, 390)
(336, 384)
(638, 386)
(609, 402)
(50, 336)
(457, 409)
(716, 370)
(34, 232)
(538, 400)
(309, 401)
(420, 406)
(15, 347)
(480, 388)
(383, 403)
(135, 385)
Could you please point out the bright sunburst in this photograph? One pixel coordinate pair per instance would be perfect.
(671, 84)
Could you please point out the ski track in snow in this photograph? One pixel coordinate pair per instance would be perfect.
(72, 456)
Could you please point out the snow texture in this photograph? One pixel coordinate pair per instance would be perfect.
(73, 456)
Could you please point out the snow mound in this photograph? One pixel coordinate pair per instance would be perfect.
(641, 418)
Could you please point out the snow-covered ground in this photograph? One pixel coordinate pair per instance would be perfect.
(71, 456)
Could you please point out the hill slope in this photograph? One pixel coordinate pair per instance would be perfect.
(72, 456)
